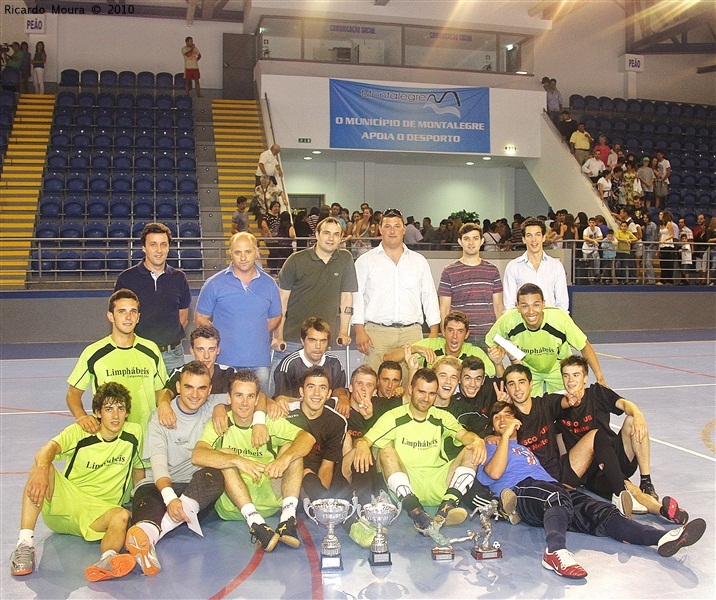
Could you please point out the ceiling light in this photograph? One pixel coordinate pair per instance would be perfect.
(307, 158)
(521, 72)
(316, 152)
(486, 158)
(470, 163)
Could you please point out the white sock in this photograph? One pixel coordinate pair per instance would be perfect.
(27, 537)
(251, 515)
(108, 553)
(151, 530)
(289, 508)
(399, 484)
(462, 479)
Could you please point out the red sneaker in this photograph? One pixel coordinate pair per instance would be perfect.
(563, 563)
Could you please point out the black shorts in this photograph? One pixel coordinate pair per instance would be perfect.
(586, 514)
(596, 481)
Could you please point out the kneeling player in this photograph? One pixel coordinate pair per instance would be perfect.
(543, 502)
(85, 500)
(251, 475)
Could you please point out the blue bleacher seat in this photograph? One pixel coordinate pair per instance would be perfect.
(184, 122)
(165, 184)
(105, 100)
(57, 160)
(50, 207)
(89, 78)
(688, 181)
(145, 102)
(647, 108)
(71, 234)
(661, 109)
(165, 142)
(144, 142)
(143, 184)
(99, 183)
(703, 181)
(675, 180)
(104, 120)
(7, 99)
(93, 260)
(86, 100)
(576, 102)
(79, 161)
(122, 160)
(143, 207)
(137, 228)
(688, 199)
(124, 120)
(120, 207)
(43, 260)
(701, 112)
(117, 260)
(73, 206)
(173, 255)
(69, 78)
(620, 105)
(164, 102)
(144, 121)
(84, 120)
(191, 259)
(182, 102)
(144, 162)
(605, 104)
(619, 126)
(189, 229)
(47, 229)
(53, 183)
(119, 232)
(166, 208)
(123, 142)
(59, 141)
(125, 101)
(145, 80)
(188, 207)
(138, 254)
(108, 79)
(164, 121)
(674, 110)
(164, 81)
(68, 261)
(633, 107)
(121, 183)
(185, 143)
(62, 120)
(76, 183)
(81, 140)
(165, 162)
(178, 81)
(95, 231)
(186, 164)
(704, 199)
(688, 163)
(187, 184)
(127, 79)
(97, 206)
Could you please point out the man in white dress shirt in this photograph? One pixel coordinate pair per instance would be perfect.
(269, 165)
(395, 289)
(534, 266)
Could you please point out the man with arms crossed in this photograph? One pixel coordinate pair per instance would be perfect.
(86, 499)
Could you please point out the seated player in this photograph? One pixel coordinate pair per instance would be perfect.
(86, 499)
(315, 338)
(590, 409)
(415, 466)
(205, 347)
(539, 433)
(456, 328)
(321, 478)
(122, 356)
(546, 335)
(174, 491)
(257, 481)
(543, 502)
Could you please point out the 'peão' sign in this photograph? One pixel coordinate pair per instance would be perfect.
(376, 117)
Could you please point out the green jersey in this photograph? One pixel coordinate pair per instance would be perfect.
(545, 347)
(140, 369)
(419, 444)
(101, 469)
(467, 349)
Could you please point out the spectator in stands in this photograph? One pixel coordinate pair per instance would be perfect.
(616, 187)
(516, 233)
(362, 231)
(604, 186)
(627, 189)
(240, 218)
(594, 165)
(603, 149)
(570, 231)
(265, 193)
(650, 235)
(592, 235)
(26, 67)
(492, 240)
(602, 224)
(443, 234)
(336, 209)
(646, 177)
(312, 219)
(687, 261)
(567, 126)
(269, 165)
(609, 254)
(580, 142)
(270, 224)
(286, 235)
(163, 293)
(684, 230)
(554, 101)
(303, 229)
(711, 239)
(534, 266)
(428, 231)
(191, 56)
(412, 235)
(663, 171)
(668, 235)
(700, 252)
(625, 239)
(38, 68)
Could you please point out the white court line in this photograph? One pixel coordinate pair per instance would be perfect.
(662, 387)
(670, 445)
(35, 412)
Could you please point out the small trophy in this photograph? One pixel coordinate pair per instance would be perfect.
(379, 512)
(329, 512)
(482, 549)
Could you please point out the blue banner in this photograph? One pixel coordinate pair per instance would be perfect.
(377, 117)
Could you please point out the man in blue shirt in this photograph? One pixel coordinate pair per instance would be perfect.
(243, 303)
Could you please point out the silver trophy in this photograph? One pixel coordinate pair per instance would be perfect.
(329, 512)
(482, 549)
(379, 513)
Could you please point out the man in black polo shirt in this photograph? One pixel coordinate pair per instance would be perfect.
(477, 392)
(163, 293)
(316, 282)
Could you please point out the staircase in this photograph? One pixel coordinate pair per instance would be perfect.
(238, 140)
(21, 182)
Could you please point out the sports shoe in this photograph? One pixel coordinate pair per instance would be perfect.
(141, 548)
(563, 563)
(421, 519)
(624, 502)
(266, 536)
(449, 513)
(508, 506)
(671, 542)
(648, 489)
(287, 533)
(670, 510)
(111, 567)
(362, 533)
(637, 508)
(22, 561)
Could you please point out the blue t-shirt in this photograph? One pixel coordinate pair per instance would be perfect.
(521, 463)
(241, 314)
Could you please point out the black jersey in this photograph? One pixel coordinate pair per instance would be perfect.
(219, 380)
(329, 429)
(538, 431)
(474, 413)
(593, 412)
(289, 371)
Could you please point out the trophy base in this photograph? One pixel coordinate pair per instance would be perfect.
(485, 554)
(443, 553)
(377, 559)
(331, 563)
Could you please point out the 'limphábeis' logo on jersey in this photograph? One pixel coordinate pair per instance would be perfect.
(420, 445)
(128, 372)
(110, 461)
